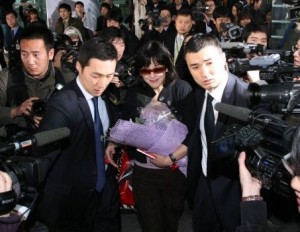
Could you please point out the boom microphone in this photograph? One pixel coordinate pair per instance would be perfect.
(237, 112)
(38, 139)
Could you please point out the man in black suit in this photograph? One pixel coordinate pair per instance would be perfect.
(13, 38)
(213, 181)
(80, 193)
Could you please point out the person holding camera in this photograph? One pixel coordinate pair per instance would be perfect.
(114, 19)
(253, 207)
(34, 79)
(123, 78)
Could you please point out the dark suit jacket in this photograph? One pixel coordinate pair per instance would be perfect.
(223, 173)
(13, 47)
(71, 180)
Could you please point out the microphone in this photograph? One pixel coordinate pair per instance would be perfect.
(38, 139)
(237, 112)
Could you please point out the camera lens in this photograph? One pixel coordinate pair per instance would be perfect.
(38, 107)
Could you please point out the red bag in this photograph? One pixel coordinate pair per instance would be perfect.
(124, 177)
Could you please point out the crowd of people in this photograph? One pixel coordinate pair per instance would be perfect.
(163, 79)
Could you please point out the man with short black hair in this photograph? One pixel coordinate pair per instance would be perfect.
(81, 192)
(13, 38)
(65, 20)
(34, 78)
(213, 179)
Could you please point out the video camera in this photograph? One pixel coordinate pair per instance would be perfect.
(284, 97)
(233, 32)
(266, 139)
(27, 173)
(273, 67)
(198, 11)
(153, 18)
(239, 50)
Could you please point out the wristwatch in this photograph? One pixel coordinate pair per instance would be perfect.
(172, 158)
(252, 198)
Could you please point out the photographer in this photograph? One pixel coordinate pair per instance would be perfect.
(34, 79)
(254, 34)
(253, 208)
(122, 79)
(9, 222)
(114, 19)
(162, 28)
(221, 17)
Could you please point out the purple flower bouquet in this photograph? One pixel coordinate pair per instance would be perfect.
(158, 132)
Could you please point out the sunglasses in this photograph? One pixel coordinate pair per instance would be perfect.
(159, 70)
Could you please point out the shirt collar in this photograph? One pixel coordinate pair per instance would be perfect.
(87, 95)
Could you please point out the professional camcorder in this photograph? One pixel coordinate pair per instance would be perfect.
(153, 18)
(27, 172)
(284, 97)
(266, 139)
(232, 31)
(198, 11)
(239, 50)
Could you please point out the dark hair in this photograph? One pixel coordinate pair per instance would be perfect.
(98, 49)
(220, 12)
(158, 53)
(65, 6)
(185, 12)
(106, 5)
(245, 13)
(115, 14)
(295, 152)
(33, 11)
(200, 41)
(166, 8)
(253, 28)
(79, 3)
(109, 34)
(11, 12)
(38, 32)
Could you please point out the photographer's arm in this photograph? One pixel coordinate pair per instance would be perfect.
(253, 208)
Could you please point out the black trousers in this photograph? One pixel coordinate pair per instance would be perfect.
(101, 213)
(205, 218)
(159, 195)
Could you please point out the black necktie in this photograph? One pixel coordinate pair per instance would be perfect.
(12, 34)
(209, 122)
(99, 147)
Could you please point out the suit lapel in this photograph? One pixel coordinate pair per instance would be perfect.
(228, 98)
(83, 105)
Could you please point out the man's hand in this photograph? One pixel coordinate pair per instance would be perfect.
(109, 154)
(250, 185)
(37, 121)
(23, 109)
